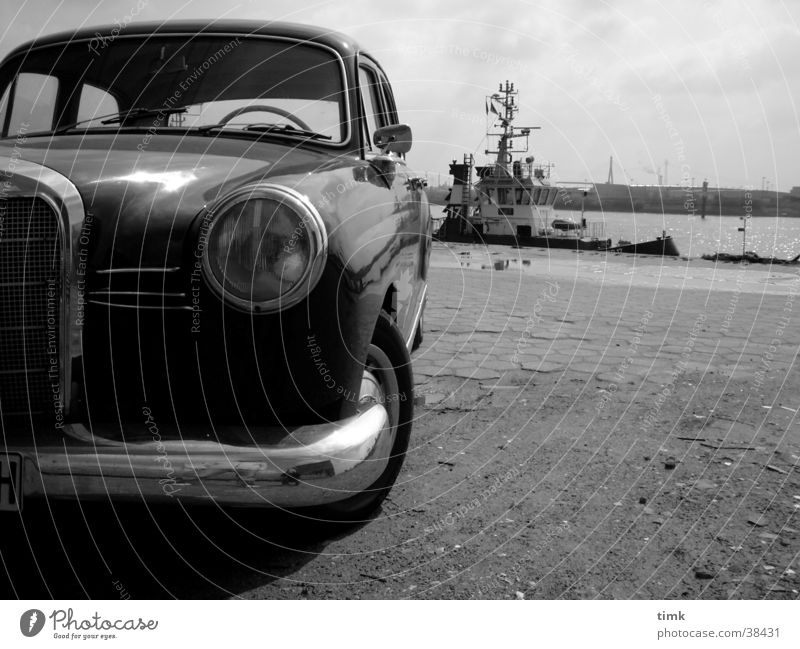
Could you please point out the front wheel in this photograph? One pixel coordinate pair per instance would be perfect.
(388, 380)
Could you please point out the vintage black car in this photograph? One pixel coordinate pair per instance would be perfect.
(213, 263)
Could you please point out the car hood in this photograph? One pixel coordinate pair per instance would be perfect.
(142, 201)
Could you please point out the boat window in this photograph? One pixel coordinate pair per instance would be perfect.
(502, 196)
(490, 194)
(535, 200)
(544, 196)
(521, 196)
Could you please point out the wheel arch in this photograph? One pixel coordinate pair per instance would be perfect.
(390, 301)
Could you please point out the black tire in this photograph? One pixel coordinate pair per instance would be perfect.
(389, 362)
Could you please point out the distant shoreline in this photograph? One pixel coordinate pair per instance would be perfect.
(674, 200)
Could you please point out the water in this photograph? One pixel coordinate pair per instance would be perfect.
(767, 236)
(642, 271)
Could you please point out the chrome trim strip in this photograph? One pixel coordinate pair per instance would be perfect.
(110, 271)
(159, 307)
(27, 370)
(37, 180)
(104, 292)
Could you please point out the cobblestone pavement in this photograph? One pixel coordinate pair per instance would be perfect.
(541, 314)
(650, 406)
(588, 426)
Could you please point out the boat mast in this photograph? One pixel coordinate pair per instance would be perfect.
(505, 101)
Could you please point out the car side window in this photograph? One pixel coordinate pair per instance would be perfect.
(389, 110)
(34, 104)
(371, 100)
(95, 102)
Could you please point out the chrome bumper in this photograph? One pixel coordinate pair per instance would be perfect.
(314, 465)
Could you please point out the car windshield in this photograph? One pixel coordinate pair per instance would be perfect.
(140, 81)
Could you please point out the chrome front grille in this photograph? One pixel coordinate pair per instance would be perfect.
(31, 302)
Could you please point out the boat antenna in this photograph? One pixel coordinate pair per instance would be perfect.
(504, 105)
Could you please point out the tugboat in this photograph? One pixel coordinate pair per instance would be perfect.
(515, 198)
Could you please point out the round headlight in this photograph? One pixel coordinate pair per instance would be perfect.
(265, 248)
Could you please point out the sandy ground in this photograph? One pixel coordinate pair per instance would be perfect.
(590, 426)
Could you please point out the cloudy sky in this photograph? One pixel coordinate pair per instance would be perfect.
(709, 90)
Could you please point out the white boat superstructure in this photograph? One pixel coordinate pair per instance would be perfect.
(515, 196)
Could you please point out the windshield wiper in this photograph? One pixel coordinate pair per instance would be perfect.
(120, 117)
(286, 128)
(283, 129)
(136, 113)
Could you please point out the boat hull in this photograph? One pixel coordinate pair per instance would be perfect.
(662, 246)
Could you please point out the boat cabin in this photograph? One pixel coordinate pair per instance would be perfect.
(518, 203)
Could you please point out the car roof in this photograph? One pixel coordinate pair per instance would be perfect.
(340, 42)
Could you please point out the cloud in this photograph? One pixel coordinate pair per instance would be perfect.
(587, 71)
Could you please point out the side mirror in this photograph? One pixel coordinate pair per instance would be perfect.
(395, 138)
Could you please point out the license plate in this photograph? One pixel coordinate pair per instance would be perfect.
(10, 482)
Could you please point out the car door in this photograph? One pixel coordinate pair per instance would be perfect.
(410, 211)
